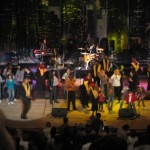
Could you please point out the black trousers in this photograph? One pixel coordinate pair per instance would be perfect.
(117, 90)
(71, 98)
(97, 80)
(26, 106)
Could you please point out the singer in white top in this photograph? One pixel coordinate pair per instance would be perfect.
(116, 82)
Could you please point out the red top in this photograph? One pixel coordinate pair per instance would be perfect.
(101, 97)
(130, 98)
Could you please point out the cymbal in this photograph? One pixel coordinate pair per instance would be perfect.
(99, 52)
(84, 53)
(81, 48)
(93, 54)
(100, 49)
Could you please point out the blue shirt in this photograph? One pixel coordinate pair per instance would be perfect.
(10, 84)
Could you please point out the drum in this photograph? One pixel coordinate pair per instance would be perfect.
(86, 56)
(90, 63)
(93, 56)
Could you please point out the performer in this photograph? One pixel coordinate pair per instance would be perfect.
(64, 77)
(96, 72)
(135, 66)
(88, 77)
(124, 92)
(132, 81)
(66, 74)
(25, 97)
(42, 48)
(148, 75)
(43, 45)
(19, 76)
(104, 80)
(122, 73)
(106, 65)
(5, 71)
(94, 100)
(10, 83)
(116, 83)
(53, 87)
(111, 94)
(29, 74)
(101, 98)
(92, 49)
(130, 99)
(84, 94)
(140, 95)
(40, 77)
(71, 94)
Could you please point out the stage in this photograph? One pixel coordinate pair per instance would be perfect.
(41, 112)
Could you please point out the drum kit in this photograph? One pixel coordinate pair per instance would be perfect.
(89, 58)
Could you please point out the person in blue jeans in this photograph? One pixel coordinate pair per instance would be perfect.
(111, 94)
(53, 87)
(124, 92)
(10, 89)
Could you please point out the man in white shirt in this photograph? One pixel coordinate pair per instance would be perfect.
(116, 82)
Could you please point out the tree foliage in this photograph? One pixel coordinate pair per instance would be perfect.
(70, 10)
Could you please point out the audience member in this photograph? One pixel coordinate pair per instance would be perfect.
(109, 143)
(123, 132)
(143, 142)
(47, 130)
(97, 124)
(65, 124)
(6, 141)
(132, 139)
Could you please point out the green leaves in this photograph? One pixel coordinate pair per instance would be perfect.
(71, 9)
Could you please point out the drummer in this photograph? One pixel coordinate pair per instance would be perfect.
(92, 49)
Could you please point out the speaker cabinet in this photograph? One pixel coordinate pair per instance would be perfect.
(126, 113)
(59, 112)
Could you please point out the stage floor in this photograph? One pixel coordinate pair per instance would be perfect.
(41, 110)
(40, 113)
